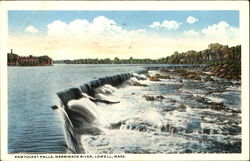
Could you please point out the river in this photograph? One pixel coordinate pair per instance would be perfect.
(183, 122)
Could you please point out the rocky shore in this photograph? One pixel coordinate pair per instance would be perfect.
(226, 71)
(221, 77)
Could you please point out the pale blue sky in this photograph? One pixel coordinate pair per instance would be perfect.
(102, 34)
(130, 20)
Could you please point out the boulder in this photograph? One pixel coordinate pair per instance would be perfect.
(149, 98)
(222, 75)
(209, 79)
(181, 71)
(159, 97)
(192, 76)
(157, 77)
(222, 70)
(162, 76)
(164, 70)
(153, 98)
(154, 79)
(225, 66)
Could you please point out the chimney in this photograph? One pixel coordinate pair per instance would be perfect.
(11, 51)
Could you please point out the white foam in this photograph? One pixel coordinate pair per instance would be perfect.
(83, 103)
(215, 99)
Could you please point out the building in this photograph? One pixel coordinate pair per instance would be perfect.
(15, 60)
(29, 60)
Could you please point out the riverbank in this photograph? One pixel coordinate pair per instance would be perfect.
(227, 71)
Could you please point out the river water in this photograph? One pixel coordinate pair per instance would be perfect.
(183, 120)
(32, 125)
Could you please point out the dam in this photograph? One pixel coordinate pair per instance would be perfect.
(134, 114)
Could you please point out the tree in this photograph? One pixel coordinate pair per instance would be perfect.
(116, 60)
(12, 57)
(238, 52)
(225, 54)
(215, 49)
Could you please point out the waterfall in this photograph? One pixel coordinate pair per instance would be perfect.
(79, 110)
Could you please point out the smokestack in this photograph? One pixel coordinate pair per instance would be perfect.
(11, 51)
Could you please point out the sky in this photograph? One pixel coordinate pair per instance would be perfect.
(109, 34)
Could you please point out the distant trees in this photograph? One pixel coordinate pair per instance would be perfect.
(214, 54)
(43, 59)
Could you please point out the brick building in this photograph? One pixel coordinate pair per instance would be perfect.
(15, 60)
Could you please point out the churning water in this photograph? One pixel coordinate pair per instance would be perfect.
(185, 116)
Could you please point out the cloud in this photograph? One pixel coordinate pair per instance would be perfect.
(170, 25)
(31, 29)
(222, 30)
(103, 25)
(57, 28)
(191, 19)
(78, 26)
(191, 33)
(155, 25)
(100, 26)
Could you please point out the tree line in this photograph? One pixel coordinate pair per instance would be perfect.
(214, 54)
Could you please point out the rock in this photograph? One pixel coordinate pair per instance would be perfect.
(154, 79)
(117, 125)
(153, 98)
(197, 72)
(225, 66)
(225, 71)
(169, 128)
(159, 97)
(227, 77)
(157, 77)
(222, 70)
(182, 108)
(180, 71)
(222, 75)
(192, 76)
(208, 79)
(149, 98)
(206, 131)
(162, 76)
(164, 70)
(217, 74)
